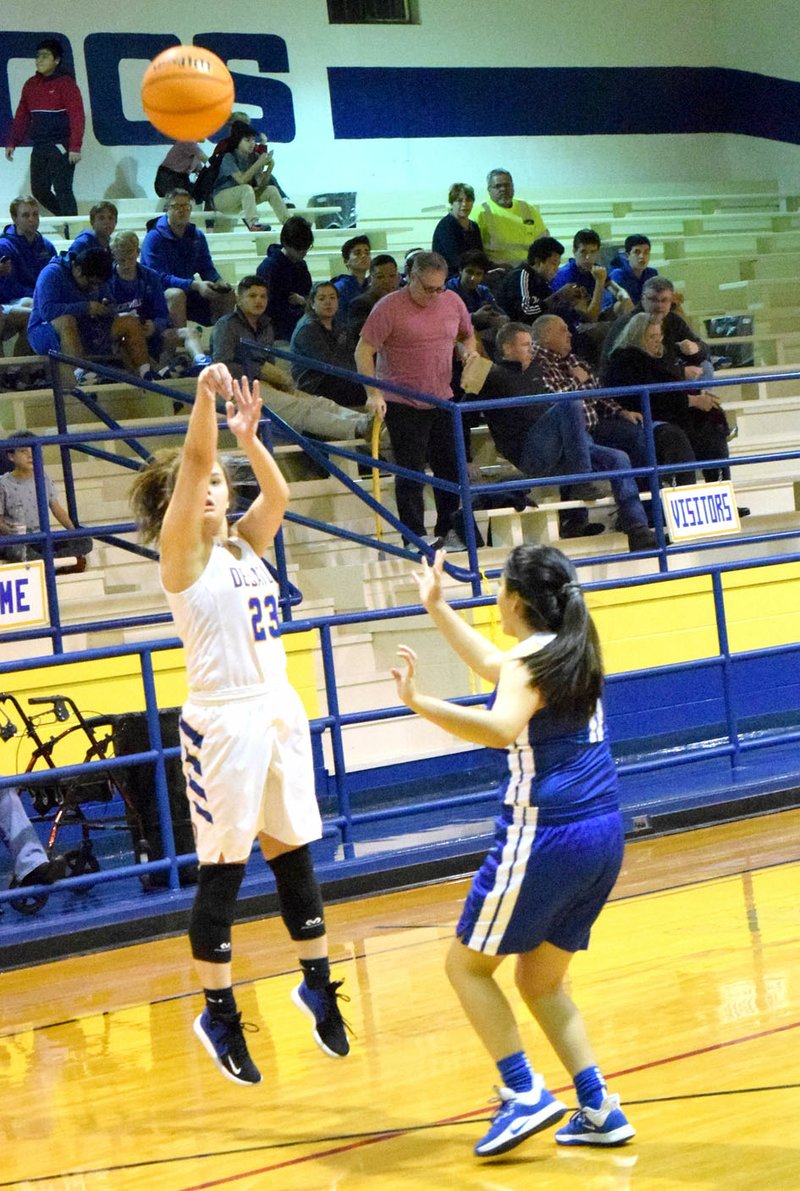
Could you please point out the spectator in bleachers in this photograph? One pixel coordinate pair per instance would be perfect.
(30, 864)
(635, 269)
(526, 291)
(408, 261)
(692, 425)
(507, 224)
(457, 233)
(50, 116)
(680, 340)
(276, 196)
(539, 439)
(24, 252)
(177, 250)
(243, 179)
(600, 294)
(73, 309)
(599, 300)
(103, 219)
(409, 339)
(19, 507)
(287, 277)
(141, 314)
(487, 316)
(681, 343)
(384, 279)
(321, 337)
(564, 372)
(305, 413)
(179, 168)
(357, 256)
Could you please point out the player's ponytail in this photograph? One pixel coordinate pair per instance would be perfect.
(151, 491)
(568, 671)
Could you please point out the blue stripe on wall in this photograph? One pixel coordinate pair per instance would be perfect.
(408, 102)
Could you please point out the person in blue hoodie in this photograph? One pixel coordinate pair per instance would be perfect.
(287, 277)
(357, 256)
(24, 252)
(140, 309)
(73, 309)
(103, 219)
(634, 268)
(177, 250)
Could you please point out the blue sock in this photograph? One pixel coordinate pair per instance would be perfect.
(590, 1087)
(515, 1072)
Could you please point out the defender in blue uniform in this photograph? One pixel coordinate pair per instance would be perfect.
(558, 843)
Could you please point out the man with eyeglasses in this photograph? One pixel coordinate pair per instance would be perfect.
(50, 116)
(508, 225)
(178, 251)
(409, 339)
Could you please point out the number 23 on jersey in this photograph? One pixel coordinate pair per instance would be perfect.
(264, 617)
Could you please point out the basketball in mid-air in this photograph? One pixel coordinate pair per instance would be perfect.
(187, 93)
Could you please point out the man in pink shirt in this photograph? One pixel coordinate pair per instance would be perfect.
(409, 339)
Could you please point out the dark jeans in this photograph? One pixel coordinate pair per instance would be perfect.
(419, 437)
(672, 445)
(557, 442)
(630, 511)
(708, 433)
(51, 179)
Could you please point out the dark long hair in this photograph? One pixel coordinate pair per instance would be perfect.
(568, 671)
(240, 130)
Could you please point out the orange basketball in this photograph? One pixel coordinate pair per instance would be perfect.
(187, 93)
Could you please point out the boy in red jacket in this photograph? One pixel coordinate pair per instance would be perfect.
(50, 115)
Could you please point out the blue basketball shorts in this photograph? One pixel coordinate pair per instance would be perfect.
(44, 339)
(541, 884)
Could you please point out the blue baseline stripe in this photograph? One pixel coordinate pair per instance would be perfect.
(408, 102)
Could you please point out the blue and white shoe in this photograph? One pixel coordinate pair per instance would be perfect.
(322, 1007)
(199, 362)
(223, 1038)
(603, 1126)
(520, 1115)
(87, 376)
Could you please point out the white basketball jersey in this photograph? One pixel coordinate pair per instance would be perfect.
(229, 622)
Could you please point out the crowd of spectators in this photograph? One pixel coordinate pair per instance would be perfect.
(496, 287)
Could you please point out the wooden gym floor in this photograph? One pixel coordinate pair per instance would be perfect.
(691, 990)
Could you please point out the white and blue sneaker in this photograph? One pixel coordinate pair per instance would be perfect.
(223, 1038)
(603, 1126)
(520, 1115)
(322, 1007)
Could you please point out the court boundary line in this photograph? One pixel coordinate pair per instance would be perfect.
(360, 1140)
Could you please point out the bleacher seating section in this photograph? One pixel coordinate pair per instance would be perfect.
(728, 253)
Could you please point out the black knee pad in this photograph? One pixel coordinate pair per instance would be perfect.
(299, 896)
(213, 912)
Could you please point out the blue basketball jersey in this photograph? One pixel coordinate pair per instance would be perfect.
(560, 764)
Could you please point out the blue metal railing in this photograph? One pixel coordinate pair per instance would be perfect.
(344, 824)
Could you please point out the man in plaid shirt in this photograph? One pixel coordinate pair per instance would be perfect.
(606, 422)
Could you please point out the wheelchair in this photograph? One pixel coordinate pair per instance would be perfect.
(64, 801)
